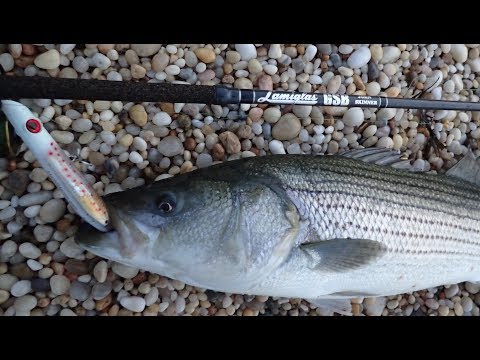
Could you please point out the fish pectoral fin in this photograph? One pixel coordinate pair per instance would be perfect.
(468, 168)
(380, 156)
(340, 306)
(340, 255)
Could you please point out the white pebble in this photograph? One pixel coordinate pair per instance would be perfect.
(21, 288)
(276, 147)
(133, 303)
(29, 250)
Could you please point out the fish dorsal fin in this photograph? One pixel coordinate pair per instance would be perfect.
(380, 156)
(468, 168)
(341, 255)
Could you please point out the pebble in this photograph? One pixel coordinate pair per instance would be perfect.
(170, 146)
(21, 288)
(7, 62)
(144, 50)
(59, 284)
(101, 61)
(276, 147)
(7, 213)
(272, 115)
(204, 160)
(451, 291)
(25, 303)
(48, 60)
(359, 58)
(70, 248)
(230, 142)
(82, 125)
(275, 51)
(124, 271)
(390, 54)
(472, 288)
(385, 114)
(246, 51)
(467, 304)
(374, 306)
(133, 303)
(287, 128)
(100, 271)
(353, 117)
(459, 52)
(62, 137)
(101, 290)
(205, 55)
(79, 291)
(29, 250)
(162, 119)
(37, 198)
(4, 296)
(42, 233)
(52, 210)
(138, 114)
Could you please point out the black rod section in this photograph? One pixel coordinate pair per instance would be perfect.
(36, 87)
(15, 87)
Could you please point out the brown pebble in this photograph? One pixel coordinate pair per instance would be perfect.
(357, 80)
(255, 150)
(22, 271)
(96, 158)
(230, 142)
(63, 225)
(57, 268)
(248, 312)
(245, 132)
(190, 144)
(218, 152)
(28, 49)
(265, 82)
(102, 304)
(23, 61)
(12, 165)
(328, 121)
(76, 267)
(227, 68)
(168, 108)
(43, 302)
(262, 51)
(228, 79)
(113, 311)
(419, 85)
(139, 278)
(355, 309)
(255, 114)
(205, 55)
(207, 130)
(301, 49)
(104, 48)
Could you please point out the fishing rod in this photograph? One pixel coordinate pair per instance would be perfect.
(36, 87)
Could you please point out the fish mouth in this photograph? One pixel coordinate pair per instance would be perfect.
(123, 241)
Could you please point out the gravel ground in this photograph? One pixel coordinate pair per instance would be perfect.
(122, 145)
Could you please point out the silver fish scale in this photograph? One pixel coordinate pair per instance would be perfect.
(430, 224)
(403, 229)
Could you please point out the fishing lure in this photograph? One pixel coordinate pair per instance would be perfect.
(76, 189)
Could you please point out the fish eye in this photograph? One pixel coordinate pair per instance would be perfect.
(166, 204)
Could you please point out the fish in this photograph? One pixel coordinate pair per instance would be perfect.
(76, 189)
(321, 228)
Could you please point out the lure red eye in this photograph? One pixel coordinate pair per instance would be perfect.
(33, 125)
